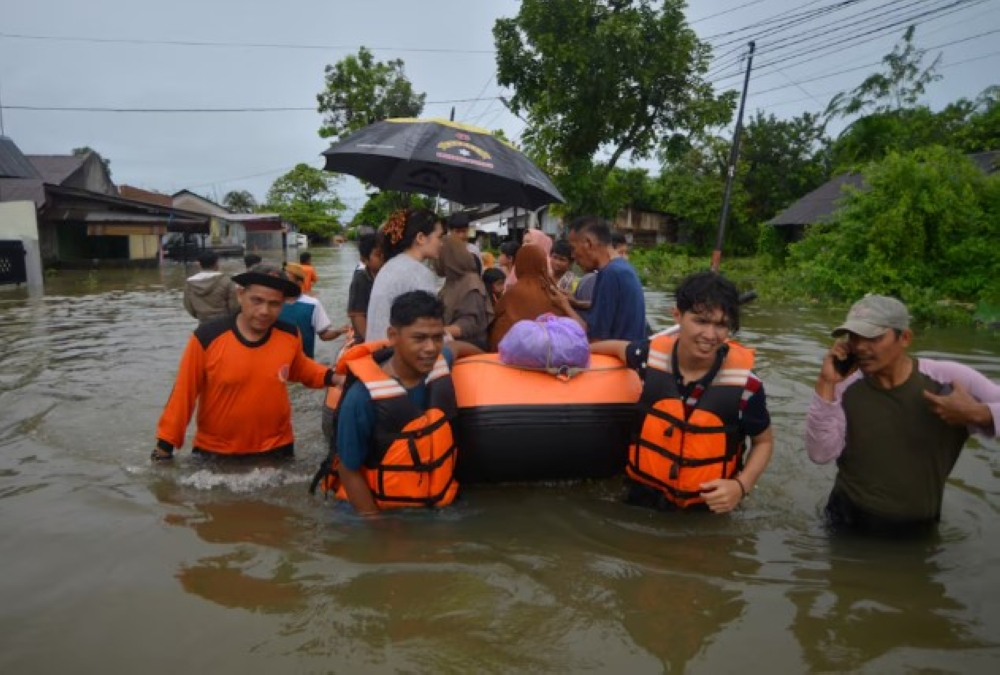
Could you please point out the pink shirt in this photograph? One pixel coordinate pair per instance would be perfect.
(826, 426)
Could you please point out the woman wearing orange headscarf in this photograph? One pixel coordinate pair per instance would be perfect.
(530, 297)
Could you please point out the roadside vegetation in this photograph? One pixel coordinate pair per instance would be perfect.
(924, 227)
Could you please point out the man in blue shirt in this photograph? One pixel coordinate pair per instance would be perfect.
(618, 311)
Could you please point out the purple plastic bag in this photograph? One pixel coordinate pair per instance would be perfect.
(549, 341)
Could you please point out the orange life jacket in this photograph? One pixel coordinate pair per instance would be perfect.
(679, 447)
(412, 460)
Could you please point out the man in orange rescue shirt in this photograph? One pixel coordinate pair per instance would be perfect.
(235, 370)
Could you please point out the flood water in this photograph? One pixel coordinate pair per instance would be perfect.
(111, 564)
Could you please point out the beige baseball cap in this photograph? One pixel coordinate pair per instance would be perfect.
(873, 315)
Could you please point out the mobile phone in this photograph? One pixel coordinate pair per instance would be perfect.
(845, 366)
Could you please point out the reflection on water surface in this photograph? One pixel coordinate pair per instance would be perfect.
(124, 565)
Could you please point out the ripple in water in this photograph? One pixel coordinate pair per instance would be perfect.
(252, 482)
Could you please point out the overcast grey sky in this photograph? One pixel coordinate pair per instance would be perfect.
(128, 54)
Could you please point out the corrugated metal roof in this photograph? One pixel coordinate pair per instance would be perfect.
(13, 164)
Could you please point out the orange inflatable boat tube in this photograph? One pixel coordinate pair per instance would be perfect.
(520, 425)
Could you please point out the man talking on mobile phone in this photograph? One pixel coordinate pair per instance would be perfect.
(895, 424)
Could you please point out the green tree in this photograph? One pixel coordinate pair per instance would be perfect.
(780, 161)
(305, 196)
(901, 85)
(86, 149)
(925, 229)
(970, 126)
(623, 76)
(885, 109)
(691, 189)
(239, 201)
(382, 203)
(360, 91)
(981, 128)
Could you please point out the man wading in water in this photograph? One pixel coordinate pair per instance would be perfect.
(236, 371)
(895, 424)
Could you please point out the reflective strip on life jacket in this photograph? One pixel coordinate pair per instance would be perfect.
(387, 388)
(658, 360)
(416, 465)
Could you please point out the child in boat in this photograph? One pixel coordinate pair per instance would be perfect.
(561, 259)
(493, 279)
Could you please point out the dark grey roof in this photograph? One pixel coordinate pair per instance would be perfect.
(48, 169)
(22, 190)
(988, 162)
(819, 204)
(13, 164)
(55, 169)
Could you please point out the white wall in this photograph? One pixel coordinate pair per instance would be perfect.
(18, 220)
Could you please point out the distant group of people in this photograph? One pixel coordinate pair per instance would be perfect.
(211, 295)
(894, 424)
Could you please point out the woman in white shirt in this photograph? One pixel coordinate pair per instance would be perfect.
(410, 237)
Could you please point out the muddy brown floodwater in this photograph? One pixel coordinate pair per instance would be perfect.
(113, 565)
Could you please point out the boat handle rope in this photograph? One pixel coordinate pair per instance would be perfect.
(563, 373)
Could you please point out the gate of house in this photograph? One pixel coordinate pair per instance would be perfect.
(12, 266)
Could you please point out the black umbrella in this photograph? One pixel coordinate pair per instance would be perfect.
(435, 157)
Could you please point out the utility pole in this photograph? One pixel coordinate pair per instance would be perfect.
(734, 154)
(1, 110)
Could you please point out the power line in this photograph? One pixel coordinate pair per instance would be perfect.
(269, 172)
(838, 43)
(238, 45)
(823, 50)
(727, 11)
(876, 63)
(830, 93)
(869, 65)
(782, 53)
(889, 20)
(846, 22)
(788, 19)
(773, 65)
(108, 109)
(837, 30)
(479, 95)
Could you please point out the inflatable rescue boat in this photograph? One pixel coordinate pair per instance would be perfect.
(517, 425)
